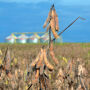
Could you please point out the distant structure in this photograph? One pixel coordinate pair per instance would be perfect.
(34, 39)
(22, 39)
(11, 39)
(30, 37)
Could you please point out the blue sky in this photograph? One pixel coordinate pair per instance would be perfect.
(29, 15)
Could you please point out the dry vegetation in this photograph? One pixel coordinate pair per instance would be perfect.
(73, 70)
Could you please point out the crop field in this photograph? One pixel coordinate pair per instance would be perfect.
(22, 55)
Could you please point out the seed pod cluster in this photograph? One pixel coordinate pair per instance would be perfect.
(55, 17)
(40, 59)
(39, 64)
(52, 22)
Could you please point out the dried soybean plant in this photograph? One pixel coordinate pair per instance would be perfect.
(7, 77)
(73, 77)
(53, 25)
(7, 62)
(81, 75)
(52, 22)
(6, 67)
(40, 64)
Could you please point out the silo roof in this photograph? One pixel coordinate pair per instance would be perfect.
(23, 36)
(11, 37)
(45, 35)
(35, 36)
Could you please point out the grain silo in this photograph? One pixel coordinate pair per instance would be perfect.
(44, 38)
(11, 39)
(22, 39)
(34, 39)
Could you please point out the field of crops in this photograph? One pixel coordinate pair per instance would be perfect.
(68, 55)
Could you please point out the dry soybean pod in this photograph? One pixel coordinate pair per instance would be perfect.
(35, 80)
(47, 20)
(39, 63)
(36, 60)
(53, 57)
(53, 13)
(52, 53)
(47, 62)
(54, 33)
(52, 24)
(57, 23)
(37, 74)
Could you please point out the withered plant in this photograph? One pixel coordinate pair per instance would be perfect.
(73, 77)
(39, 65)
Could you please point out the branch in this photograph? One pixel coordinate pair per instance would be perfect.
(69, 26)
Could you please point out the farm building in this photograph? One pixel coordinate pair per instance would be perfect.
(22, 39)
(33, 39)
(11, 39)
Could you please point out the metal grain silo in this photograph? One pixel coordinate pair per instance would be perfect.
(22, 39)
(11, 39)
(44, 38)
(34, 39)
